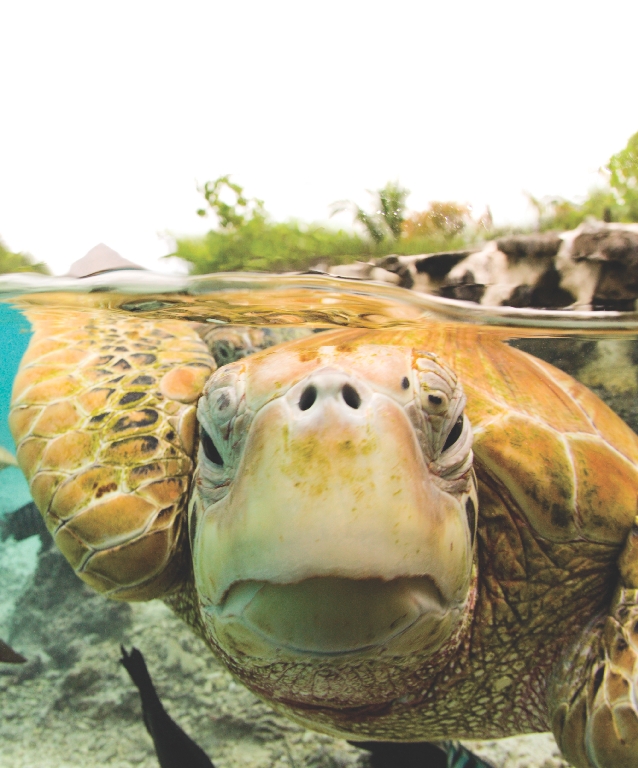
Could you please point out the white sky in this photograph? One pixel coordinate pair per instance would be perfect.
(110, 113)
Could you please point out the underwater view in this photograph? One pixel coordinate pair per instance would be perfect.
(324, 512)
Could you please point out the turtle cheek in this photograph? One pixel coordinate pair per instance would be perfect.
(333, 507)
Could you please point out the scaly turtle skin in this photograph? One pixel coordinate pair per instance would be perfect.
(392, 535)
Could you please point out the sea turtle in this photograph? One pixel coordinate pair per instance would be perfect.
(395, 535)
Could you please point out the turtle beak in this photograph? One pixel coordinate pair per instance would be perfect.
(331, 616)
(334, 537)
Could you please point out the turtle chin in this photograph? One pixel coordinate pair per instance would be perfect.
(331, 617)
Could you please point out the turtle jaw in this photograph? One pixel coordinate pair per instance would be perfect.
(328, 616)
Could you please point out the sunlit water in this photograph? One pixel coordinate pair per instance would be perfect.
(72, 704)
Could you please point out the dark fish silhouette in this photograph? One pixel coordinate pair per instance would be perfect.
(423, 754)
(9, 656)
(173, 747)
(24, 522)
(459, 757)
(177, 750)
(390, 754)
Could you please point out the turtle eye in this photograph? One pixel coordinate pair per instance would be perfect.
(435, 402)
(223, 351)
(455, 433)
(210, 451)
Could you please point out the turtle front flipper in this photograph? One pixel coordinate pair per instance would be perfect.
(594, 691)
(104, 418)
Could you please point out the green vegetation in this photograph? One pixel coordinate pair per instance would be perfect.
(617, 200)
(623, 169)
(245, 237)
(19, 262)
(386, 222)
(443, 226)
(270, 246)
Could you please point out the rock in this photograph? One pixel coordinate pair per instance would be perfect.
(359, 270)
(594, 266)
(599, 265)
(89, 713)
(578, 277)
(546, 294)
(100, 259)
(438, 265)
(540, 247)
(394, 266)
(422, 272)
(380, 275)
(616, 250)
(537, 749)
(516, 271)
(18, 560)
(463, 287)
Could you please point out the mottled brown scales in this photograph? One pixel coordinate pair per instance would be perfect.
(104, 419)
(79, 452)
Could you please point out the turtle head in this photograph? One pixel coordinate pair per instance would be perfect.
(334, 505)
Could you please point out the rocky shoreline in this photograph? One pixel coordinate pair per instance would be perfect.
(593, 267)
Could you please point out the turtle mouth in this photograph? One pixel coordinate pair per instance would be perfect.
(330, 615)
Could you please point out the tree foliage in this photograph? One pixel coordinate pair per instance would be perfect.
(616, 200)
(386, 222)
(557, 213)
(261, 245)
(623, 170)
(19, 262)
(441, 219)
(245, 237)
(230, 216)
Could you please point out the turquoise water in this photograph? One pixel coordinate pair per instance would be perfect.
(15, 333)
(72, 695)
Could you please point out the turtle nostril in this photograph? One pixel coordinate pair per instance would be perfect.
(308, 397)
(351, 396)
